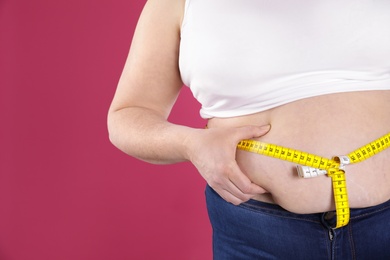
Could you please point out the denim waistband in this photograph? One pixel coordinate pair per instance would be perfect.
(259, 230)
(276, 210)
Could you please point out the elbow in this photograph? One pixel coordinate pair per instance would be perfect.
(111, 138)
(126, 135)
(111, 130)
(120, 137)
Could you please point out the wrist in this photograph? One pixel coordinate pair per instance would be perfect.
(190, 141)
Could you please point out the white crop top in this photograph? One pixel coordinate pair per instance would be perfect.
(245, 56)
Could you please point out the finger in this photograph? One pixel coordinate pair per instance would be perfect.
(234, 195)
(236, 187)
(229, 191)
(245, 185)
(243, 196)
(237, 193)
(229, 197)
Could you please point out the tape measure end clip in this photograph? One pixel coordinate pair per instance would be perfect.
(309, 172)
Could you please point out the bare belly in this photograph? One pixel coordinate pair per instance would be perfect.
(328, 126)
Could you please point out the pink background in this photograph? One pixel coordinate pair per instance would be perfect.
(65, 191)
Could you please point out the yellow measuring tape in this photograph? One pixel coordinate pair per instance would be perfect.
(310, 165)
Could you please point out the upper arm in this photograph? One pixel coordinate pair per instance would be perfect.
(151, 77)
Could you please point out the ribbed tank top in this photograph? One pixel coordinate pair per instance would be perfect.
(245, 56)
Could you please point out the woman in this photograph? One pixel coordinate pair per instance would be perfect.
(309, 75)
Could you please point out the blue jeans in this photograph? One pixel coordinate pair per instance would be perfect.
(258, 230)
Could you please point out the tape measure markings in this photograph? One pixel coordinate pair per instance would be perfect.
(334, 167)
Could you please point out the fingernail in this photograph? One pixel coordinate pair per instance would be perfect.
(266, 127)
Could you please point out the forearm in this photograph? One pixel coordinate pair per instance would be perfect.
(146, 135)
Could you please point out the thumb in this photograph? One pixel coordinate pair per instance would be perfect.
(254, 131)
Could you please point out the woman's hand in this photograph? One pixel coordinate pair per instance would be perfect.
(213, 152)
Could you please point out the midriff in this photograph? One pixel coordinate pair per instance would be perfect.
(327, 125)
